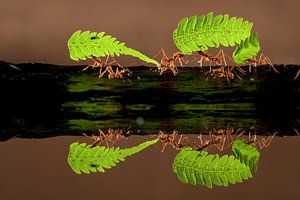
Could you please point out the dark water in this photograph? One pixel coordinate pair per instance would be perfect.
(44, 101)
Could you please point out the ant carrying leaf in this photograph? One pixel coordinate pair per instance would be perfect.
(111, 137)
(119, 73)
(171, 140)
(262, 142)
(168, 63)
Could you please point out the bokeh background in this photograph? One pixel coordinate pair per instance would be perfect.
(38, 30)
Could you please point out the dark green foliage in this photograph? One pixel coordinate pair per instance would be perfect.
(201, 168)
(246, 153)
(247, 49)
(85, 158)
(198, 33)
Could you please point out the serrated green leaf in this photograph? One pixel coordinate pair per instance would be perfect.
(198, 33)
(201, 168)
(84, 45)
(86, 159)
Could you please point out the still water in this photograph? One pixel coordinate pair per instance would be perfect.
(44, 112)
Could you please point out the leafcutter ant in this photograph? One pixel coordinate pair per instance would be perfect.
(262, 60)
(226, 135)
(101, 138)
(168, 63)
(217, 142)
(171, 140)
(117, 134)
(262, 142)
(218, 59)
(107, 66)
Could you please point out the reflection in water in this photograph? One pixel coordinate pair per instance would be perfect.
(188, 103)
(196, 167)
(183, 102)
(88, 158)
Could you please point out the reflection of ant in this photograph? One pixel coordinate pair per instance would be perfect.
(220, 60)
(168, 63)
(99, 139)
(107, 137)
(108, 68)
(221, 138)
(218, 142)
(262, 60)
(171, 140)
(262, 142)
(221, 73)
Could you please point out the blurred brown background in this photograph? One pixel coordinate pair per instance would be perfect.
(38, 30)
(38, 169)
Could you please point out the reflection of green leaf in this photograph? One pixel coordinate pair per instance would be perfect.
(201, 168)
(246, 153)
(96, 108)
(86, 82)
(85, 158)
(215, 106)
(142, 107)
(83, 124)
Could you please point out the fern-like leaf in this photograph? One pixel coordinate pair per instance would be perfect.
(84, 45)
(85, 158)
(198, 33)
(246, 153)
(196, 167)
(247, 49)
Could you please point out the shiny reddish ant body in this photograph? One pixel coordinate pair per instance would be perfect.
(117, 134)
(171, 140)
(262, 60)
(168, 63)
(262, 142)
(118, 73)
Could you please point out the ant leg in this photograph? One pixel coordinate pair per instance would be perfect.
(200, 137)
(114, 61)
(105, 64)
(269, 139)
(210, 64)
(249, 138)
(220, 56)
(164, 146)
(97, 62)
(103, 73)
(180, 138)
(268, 60)
(173, 68)
(201, 61)
(86, 135)
(161, 51)
(183, 60)
(262, 60)
(297, 75)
